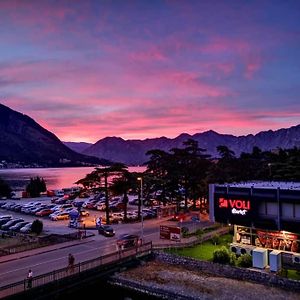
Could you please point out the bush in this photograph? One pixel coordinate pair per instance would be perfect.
(5, 190)
(37, 226)
(199, 232)
(222, 256)
(184, 231)
(216, 239)
(245, 261)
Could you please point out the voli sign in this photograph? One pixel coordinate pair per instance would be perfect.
(238, 207)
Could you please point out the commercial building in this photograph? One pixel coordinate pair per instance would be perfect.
(265, 215)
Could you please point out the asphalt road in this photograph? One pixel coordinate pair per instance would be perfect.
(94, 247)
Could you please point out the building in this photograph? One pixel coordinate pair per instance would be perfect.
(264, 214)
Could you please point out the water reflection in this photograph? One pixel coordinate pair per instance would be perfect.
(56, 178)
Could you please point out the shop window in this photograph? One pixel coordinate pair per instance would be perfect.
(288, 210)
(272, 209)
(297, 211)
(262, 209)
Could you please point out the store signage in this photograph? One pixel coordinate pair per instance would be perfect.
(238, 207)
(170, 233)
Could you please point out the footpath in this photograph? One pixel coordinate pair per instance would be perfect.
(45, 249)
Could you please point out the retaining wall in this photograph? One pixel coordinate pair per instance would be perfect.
(215, 269)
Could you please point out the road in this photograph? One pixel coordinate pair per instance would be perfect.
(93, 247)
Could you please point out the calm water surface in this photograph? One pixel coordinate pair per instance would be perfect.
(56, 178)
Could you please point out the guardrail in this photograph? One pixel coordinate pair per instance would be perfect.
(59, 274)
(31, 242)
(193, 241)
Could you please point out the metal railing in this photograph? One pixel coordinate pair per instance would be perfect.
(193, 241)
(106, 260)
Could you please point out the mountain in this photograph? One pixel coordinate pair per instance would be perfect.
(132, 152)
(77, 146)
(25, 142)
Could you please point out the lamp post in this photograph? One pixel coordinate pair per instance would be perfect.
(142, 218)
(270, 170)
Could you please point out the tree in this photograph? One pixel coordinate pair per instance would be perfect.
(37, 226)
(122, 185)
(36, 187)
(5, 190)
(95, 180)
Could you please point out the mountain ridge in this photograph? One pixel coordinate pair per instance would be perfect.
(23, 141)
(132, 152)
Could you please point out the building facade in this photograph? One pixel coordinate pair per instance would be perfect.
(264, 214)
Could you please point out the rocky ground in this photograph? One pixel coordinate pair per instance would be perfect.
(197, 285)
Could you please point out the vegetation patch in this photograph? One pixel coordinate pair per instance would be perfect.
(205, 250)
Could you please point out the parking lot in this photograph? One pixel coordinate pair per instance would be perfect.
(62, 226)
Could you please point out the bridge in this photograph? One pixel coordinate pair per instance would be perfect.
(52, 282)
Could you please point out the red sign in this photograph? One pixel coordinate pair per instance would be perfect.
(170, 233)
(238, 204)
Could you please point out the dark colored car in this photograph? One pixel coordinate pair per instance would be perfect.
(106, 230)
(11, 223)
(18, 226)
(128, 240)
(4, 220)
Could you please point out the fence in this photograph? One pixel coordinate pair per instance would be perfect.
(109, 259)
(31, 242)
(193, 241)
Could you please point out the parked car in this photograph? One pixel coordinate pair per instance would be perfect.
(26, 228)
(84, 213)
(44, 212)
(128, 240)
(5, 217)
(60, 216)
(18, 226)
(11, 223)
(5, 220)
(106, 230)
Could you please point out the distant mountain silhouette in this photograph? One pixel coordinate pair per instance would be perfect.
(132, 152)
(77, 146)
(24, 141)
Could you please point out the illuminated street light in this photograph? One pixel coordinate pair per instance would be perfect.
(142, 218)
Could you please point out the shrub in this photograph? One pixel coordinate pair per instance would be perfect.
(232, 258)
(199, 232)
(185, 231)
(216, 239)
(5, 190)
(222, 256)
(245, 261)
(37, 226)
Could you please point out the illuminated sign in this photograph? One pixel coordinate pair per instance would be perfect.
(238, 207)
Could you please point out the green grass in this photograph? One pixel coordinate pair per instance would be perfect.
(205, 250)
(293, 274)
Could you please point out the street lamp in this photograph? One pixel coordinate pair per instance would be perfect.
(142, 218)
(270, 170)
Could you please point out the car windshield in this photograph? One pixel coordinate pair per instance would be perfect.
(107, 227)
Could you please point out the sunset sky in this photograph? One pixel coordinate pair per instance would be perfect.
(140, 69)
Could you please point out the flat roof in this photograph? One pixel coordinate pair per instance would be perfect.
(283, 185)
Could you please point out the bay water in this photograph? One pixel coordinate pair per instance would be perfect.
(55, 178)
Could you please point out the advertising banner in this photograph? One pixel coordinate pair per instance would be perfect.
(170, 233)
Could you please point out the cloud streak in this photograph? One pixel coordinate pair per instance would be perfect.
(139, 69)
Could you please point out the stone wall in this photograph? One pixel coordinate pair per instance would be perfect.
(215, 269)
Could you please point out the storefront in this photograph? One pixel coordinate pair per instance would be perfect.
(264, 214)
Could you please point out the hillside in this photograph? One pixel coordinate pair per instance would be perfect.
(24, 141)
